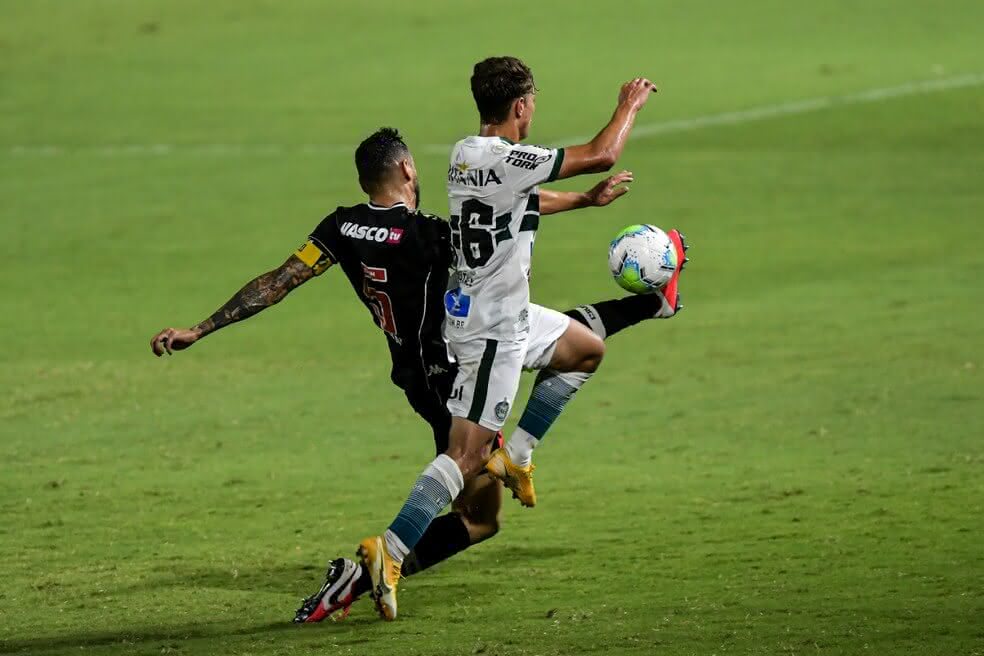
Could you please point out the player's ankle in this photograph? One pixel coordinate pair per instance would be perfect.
(395, 547)
(520, 449)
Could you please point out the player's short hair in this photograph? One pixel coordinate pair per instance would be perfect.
(496, 82)
(376, 154)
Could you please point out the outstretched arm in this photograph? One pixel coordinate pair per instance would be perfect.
(255, 296)
(601, 153)
(603, 193)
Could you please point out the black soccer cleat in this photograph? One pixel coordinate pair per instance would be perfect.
(337, 594)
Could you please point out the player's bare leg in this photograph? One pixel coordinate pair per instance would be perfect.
(478, 505)
(575, 358)
(475, 516)
(577, 355)
(437, 486)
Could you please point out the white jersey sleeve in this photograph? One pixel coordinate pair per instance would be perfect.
(528, 165)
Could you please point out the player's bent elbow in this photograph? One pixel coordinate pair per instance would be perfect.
(602, 158)
(589, 158)
(605, 161)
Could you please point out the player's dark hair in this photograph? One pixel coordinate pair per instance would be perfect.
(496, 82)
(376, 154)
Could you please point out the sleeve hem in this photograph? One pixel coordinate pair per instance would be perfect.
(558, 162)
(324, 248)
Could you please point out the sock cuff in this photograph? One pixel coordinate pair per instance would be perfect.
(574, 378)
(394, 545)
(591, 318)
(446, 470)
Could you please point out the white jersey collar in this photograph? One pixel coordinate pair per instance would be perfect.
(373, 206)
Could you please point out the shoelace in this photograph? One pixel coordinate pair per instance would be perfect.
(398, 568)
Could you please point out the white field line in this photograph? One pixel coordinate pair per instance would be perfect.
(739, 117)
(792, 108)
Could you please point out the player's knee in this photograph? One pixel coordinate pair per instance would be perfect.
(471, 465)
(469, 448)
(469, 461)
(593, 354)
(486, 529)
(480, 526)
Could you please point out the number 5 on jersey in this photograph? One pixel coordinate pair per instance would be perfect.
(379, 301)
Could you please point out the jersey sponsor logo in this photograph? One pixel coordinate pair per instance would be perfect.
(502, 410)
(466, 278)
(526, 160)
(371, 233)
(460, 174)
(456, 303)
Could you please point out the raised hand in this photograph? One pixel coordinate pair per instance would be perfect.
(635, 93)
(609, 189)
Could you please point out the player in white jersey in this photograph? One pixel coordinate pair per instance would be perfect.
(492, 329)
(495, 212)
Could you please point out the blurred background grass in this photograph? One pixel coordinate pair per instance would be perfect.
(791, 465)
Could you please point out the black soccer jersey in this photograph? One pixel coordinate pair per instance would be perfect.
(397, 261)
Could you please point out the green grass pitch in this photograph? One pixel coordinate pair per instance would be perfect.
(792, 466)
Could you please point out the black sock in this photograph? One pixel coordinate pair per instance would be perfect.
(609, 317)
(446, 536)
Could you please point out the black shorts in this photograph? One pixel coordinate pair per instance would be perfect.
(428, 396)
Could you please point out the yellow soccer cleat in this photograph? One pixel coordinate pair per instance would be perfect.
(516, 478)
(385, 573)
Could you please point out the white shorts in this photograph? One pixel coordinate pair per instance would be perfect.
(488, 370)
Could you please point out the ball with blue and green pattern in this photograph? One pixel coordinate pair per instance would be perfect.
(642, 258)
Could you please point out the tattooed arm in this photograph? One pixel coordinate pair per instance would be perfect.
(255, 296)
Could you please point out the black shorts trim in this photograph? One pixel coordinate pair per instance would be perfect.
(482, 381)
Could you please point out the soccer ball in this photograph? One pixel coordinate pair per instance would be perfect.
(642, 259)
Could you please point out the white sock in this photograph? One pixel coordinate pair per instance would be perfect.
(520, 447)
(550, 395)
(437, 486)
(447, 469)
(395, 546)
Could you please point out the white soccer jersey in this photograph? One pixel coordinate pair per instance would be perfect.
(495, 211)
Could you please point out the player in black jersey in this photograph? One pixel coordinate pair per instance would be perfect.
(396, 259)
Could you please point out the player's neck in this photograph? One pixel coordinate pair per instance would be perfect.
(390, 198)
(508, 130)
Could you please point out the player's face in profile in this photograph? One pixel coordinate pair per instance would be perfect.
(528, 109)
(411, 169)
